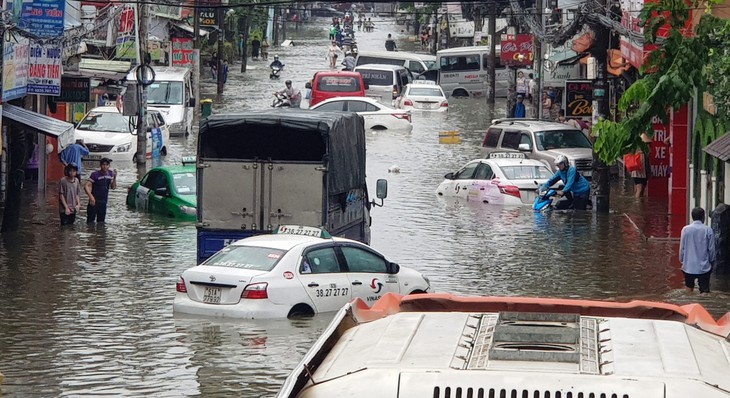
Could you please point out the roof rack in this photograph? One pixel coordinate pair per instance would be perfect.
(517, 119)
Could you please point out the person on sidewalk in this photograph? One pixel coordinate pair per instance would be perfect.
(576, 190)
(73, 154)
(69, 195)
(97, 189)
(265, 49)
(390, 44)
(697, 252)
(518, 109)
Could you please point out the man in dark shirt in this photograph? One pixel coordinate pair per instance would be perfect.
(97, 188)
(390, 43)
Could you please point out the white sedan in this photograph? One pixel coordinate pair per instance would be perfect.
(109, 134)
(297, 271)
(503, 179)
(376, 115)
(423, 95)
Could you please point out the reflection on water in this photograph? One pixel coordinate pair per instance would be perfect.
(88, 310)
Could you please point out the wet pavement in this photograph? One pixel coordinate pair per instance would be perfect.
(88, 310)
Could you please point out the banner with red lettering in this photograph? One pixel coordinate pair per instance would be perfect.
(182, 51)
(659, 161)
(44, 69)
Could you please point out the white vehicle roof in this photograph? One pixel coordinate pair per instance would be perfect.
(105, 109)
(362, 99)
(463, 50)
(164, 73)
(437, 345)
(380, 67)
(398, 55)
(531, 124)
(423, 83)
(284, 241)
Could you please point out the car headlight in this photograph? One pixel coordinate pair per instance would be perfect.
(123, 147)
(188, 210)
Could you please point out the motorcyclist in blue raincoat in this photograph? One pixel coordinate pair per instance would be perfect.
(576, 190)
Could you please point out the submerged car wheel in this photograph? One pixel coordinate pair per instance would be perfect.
(460, 93)
(300, 310)
(379, 128)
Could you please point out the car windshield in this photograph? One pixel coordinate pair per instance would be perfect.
(526, 172)
(165, 93)
(556, 139)
(184, 183)
(426, 91)
(106, 121)
(431, 65)
(246, 257)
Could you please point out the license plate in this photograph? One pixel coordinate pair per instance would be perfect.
(426, 106)
(91, 157)
(212, 295)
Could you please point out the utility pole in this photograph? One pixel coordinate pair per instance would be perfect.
(221, 49)
(492, 57)
(197, 62)
(244, 48)
(537, 66)
(436, 28)
(143, 80)
(283, 24)
(601, 173)
(276, 26)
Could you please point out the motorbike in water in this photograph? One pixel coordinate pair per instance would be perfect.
(281, 101)
(275, 71)
(544, 199)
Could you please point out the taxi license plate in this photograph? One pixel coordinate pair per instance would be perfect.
(212, 295)
(91, 157)
(427, 106)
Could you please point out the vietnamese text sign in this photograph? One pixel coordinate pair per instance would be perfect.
(44, 18)
(182, 51)
(44, 69)
(75, 89)
(578, 98)
(15, 66)
(125, 43)
(516, 50)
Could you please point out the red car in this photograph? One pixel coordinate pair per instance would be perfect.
(331, 84)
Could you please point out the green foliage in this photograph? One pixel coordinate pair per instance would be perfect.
(673, 74)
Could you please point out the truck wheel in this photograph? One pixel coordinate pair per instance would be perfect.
(460, 93)
(300, 310)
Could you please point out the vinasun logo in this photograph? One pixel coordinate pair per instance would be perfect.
(376, 285)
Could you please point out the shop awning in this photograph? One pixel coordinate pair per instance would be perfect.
(720, 148)
(43, 124)
(190, 29)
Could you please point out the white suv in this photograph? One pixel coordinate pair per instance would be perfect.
(541, 140)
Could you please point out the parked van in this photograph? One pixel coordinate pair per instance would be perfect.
(416, 63)
(172, 94)
(385, 82)
(463, 72)
(331, 84)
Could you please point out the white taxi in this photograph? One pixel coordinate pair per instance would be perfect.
(505, 178)
(422, 95)
(297, 271)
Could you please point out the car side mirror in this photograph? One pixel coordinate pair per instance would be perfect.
(161, 191)
(366, 85)
(308, 85)
(191, 102)
(393, 268)
(381, 191)
(524, 147)
(449, 176)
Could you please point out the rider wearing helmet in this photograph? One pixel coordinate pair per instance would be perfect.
(294, 95)
(576, 189)
(276, 63)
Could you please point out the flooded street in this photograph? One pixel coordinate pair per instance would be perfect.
(88, 310)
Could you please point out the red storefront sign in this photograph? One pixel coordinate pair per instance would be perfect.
(182, 51)
(659, 161)
(517, 50)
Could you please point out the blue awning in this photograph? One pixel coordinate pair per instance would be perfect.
(43, 124)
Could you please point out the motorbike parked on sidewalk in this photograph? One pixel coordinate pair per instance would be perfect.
(275, 71)
(281, 101)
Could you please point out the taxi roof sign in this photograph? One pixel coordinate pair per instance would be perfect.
(507, 155)
(189, 160)
(302, 230)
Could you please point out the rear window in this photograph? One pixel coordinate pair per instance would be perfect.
(368, 59)
(524, 172)
(426, 91)
(246, 257)
(492, 138)
(338, 84)
(377, 77)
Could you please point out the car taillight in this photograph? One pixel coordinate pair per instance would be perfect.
(255, 291)
(406, 116)
(510, 190)
(395, 91)
(408, 102)
(445, 104)
(180, 286)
